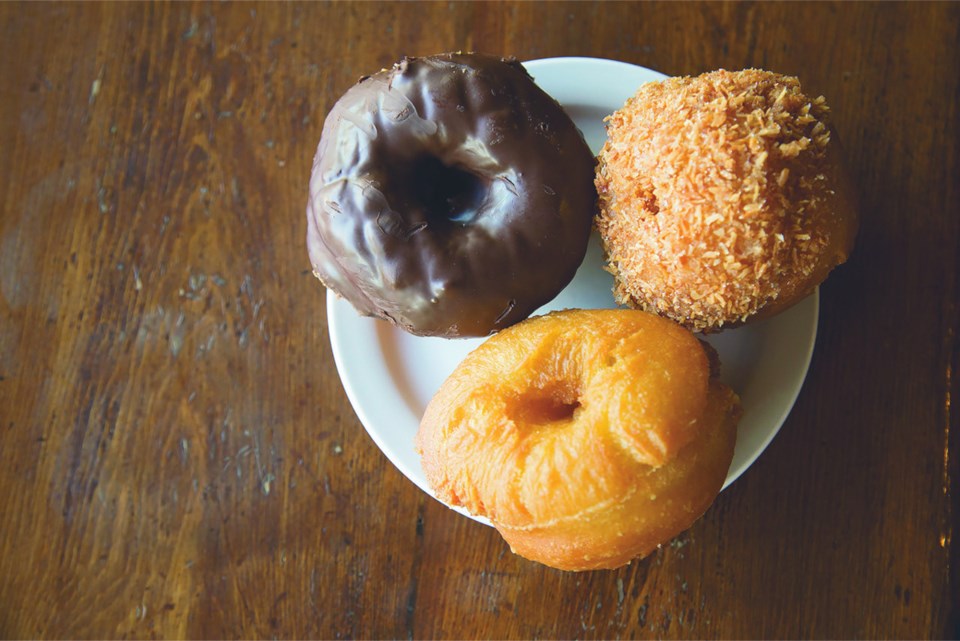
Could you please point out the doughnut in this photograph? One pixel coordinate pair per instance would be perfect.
(723, 198)
(586, 437)
(450, 196)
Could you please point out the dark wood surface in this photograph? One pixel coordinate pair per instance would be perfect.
(178, 457)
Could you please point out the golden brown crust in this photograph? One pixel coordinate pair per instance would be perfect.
(721, 195)
(587, 437)
(660, 503)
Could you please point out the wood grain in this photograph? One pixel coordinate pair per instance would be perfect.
(179, 458)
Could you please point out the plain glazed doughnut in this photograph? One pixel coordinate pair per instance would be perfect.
(450, 195)
(586, 437)
(722, 197)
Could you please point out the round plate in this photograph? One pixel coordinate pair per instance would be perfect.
(390, 376)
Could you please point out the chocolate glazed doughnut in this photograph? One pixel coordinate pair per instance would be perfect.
(450, 195)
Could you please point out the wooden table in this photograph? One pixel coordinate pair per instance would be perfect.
(178, 455)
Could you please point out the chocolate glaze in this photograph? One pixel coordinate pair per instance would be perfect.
(449, 195)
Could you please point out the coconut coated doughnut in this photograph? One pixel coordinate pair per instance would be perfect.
(450, 195)
(587, 437)
(722, 197)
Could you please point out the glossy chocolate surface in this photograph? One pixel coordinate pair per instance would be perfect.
(449, 195)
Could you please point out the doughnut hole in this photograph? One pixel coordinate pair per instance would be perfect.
(548, 387)
(427, 190)
(555, 403)
(447, 192)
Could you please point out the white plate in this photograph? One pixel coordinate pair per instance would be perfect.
(390, 376)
